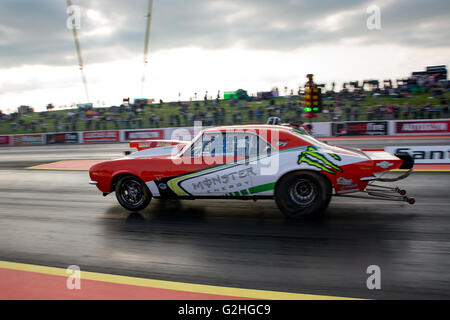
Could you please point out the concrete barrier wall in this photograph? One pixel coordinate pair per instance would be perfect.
(319, 129)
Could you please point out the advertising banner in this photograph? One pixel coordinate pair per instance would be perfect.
(28, 139)
(4, 140)
(424, 154)
(373, 128)
(149, 134)
(63, 137)
(424, 127)
(101, 136)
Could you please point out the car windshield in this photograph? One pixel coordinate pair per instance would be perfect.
(189, 145)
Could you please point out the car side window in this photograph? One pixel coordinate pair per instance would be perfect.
(207, 144)
(243, 144)
(212, 144)
(264, 147)
(238, 144)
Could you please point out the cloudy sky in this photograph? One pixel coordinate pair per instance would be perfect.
(199, 45)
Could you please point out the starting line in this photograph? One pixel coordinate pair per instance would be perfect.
(68, 165)
(20, 281)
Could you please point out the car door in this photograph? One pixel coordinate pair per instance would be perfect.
(219, 166)
(262, 165)
(243, 153)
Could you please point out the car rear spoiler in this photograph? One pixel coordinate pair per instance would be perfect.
(148, 144)
(408, 161)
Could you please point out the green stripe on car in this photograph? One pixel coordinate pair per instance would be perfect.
(262, 188)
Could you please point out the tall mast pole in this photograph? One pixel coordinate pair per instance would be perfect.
(147, 38)
(80, 58)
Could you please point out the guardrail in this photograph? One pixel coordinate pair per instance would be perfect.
(319, 129)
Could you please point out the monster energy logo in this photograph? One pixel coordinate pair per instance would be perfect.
(316, 159)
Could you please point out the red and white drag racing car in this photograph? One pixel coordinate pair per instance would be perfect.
(249, 162)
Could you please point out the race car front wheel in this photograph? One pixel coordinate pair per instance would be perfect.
(303, 194)
(132, 193)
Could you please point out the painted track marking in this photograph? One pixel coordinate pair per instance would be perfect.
(183, 290)
(68, 165)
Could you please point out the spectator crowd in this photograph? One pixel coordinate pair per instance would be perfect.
(345, 105)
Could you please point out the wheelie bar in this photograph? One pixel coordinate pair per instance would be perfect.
(389, 193)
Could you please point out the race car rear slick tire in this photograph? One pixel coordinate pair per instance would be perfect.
(303, 194)
(132, 193)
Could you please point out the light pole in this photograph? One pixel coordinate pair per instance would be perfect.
(78, 50)
(147, 39)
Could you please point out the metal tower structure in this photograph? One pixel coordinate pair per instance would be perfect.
(147, 39)
(80, 57)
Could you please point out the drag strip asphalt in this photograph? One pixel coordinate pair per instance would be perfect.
(54, 218)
